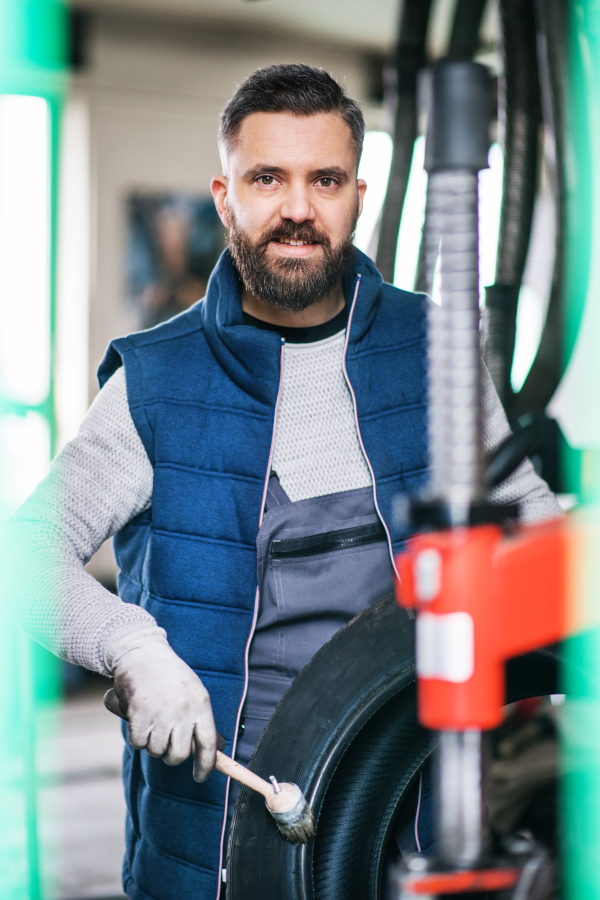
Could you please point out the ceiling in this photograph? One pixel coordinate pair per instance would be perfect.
(366, 24)
(370, 24)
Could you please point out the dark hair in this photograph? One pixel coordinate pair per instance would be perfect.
(293, 88)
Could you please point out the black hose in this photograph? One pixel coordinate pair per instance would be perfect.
(512, 451)
(409, 58)
(547, 368)
(464, 39)
(519, 120)
(520, 112)
(499, 334)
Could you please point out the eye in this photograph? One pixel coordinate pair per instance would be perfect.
(326, 181)
(267, 180)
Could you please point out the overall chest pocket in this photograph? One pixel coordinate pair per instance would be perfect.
(315, 584)
(328, 541)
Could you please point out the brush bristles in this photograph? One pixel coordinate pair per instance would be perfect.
(292, 814)
(303, 831)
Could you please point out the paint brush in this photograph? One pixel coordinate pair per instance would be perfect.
(286, 802)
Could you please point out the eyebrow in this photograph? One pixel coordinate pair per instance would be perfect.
(327, 172)
(263, 170)
(331, 171)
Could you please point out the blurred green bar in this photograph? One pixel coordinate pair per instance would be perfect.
(581, 712)
(33, 63)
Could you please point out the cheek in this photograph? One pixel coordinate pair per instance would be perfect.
(253, 211)
(337, 219)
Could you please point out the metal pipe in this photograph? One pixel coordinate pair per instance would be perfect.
(453, 354)
(461, 821)
(456, 149)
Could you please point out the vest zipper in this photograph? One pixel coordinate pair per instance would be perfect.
(352, 394)
(256, 598)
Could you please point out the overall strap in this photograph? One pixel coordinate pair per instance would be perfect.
(276, 496)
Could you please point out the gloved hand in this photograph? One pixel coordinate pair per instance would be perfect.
(167, 706)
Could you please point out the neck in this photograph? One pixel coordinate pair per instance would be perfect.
(316, 314)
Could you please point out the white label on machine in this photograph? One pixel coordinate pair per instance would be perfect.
(428, 574)
(445, 646)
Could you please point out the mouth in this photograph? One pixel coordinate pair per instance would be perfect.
(294, 248)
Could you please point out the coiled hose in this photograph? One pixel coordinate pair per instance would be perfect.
(548, 365)
(519, 120)
(409, 57)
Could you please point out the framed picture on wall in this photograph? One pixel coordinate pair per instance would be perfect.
(173, 243)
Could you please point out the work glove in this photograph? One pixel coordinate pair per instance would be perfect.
(165, 703)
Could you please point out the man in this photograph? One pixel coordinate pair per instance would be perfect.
(245, 455)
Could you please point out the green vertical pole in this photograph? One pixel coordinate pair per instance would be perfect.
(580, 819)
(33, 63)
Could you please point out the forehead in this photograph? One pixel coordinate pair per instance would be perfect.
(288, 141)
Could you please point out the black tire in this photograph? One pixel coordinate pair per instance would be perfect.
(366, 669)
(357, 780)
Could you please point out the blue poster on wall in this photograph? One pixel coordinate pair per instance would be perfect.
(173, 243)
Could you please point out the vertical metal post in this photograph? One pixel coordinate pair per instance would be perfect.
(460, 809)
(454, 361)
(457, 146)
(33, 51)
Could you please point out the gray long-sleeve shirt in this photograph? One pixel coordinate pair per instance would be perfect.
(103, 478)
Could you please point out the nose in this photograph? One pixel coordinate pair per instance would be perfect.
(297, 204)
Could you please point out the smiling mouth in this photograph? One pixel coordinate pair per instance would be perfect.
(292, 243)
(292, 249)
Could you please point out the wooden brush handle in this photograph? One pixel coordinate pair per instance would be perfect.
(225, 764)
(233, 769)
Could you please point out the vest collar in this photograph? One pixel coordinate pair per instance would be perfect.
(251, 357)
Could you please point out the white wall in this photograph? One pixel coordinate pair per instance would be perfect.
(73, 288)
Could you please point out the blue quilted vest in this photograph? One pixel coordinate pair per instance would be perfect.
(202, 390)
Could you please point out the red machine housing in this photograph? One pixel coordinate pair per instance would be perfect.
(481, 597)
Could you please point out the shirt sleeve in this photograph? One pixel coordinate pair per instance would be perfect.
(524, 486)
(99, 482)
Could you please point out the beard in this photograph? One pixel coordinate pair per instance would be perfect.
(287, 283)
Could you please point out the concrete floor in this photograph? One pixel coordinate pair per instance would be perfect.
(81, 804)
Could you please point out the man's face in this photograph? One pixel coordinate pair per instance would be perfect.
(291, 199)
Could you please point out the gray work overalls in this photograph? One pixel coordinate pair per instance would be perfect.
(320, 562)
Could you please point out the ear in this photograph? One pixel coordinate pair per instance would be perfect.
(218, 187)
(362, 187)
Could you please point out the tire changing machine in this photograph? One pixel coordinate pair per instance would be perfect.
(484, 589)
